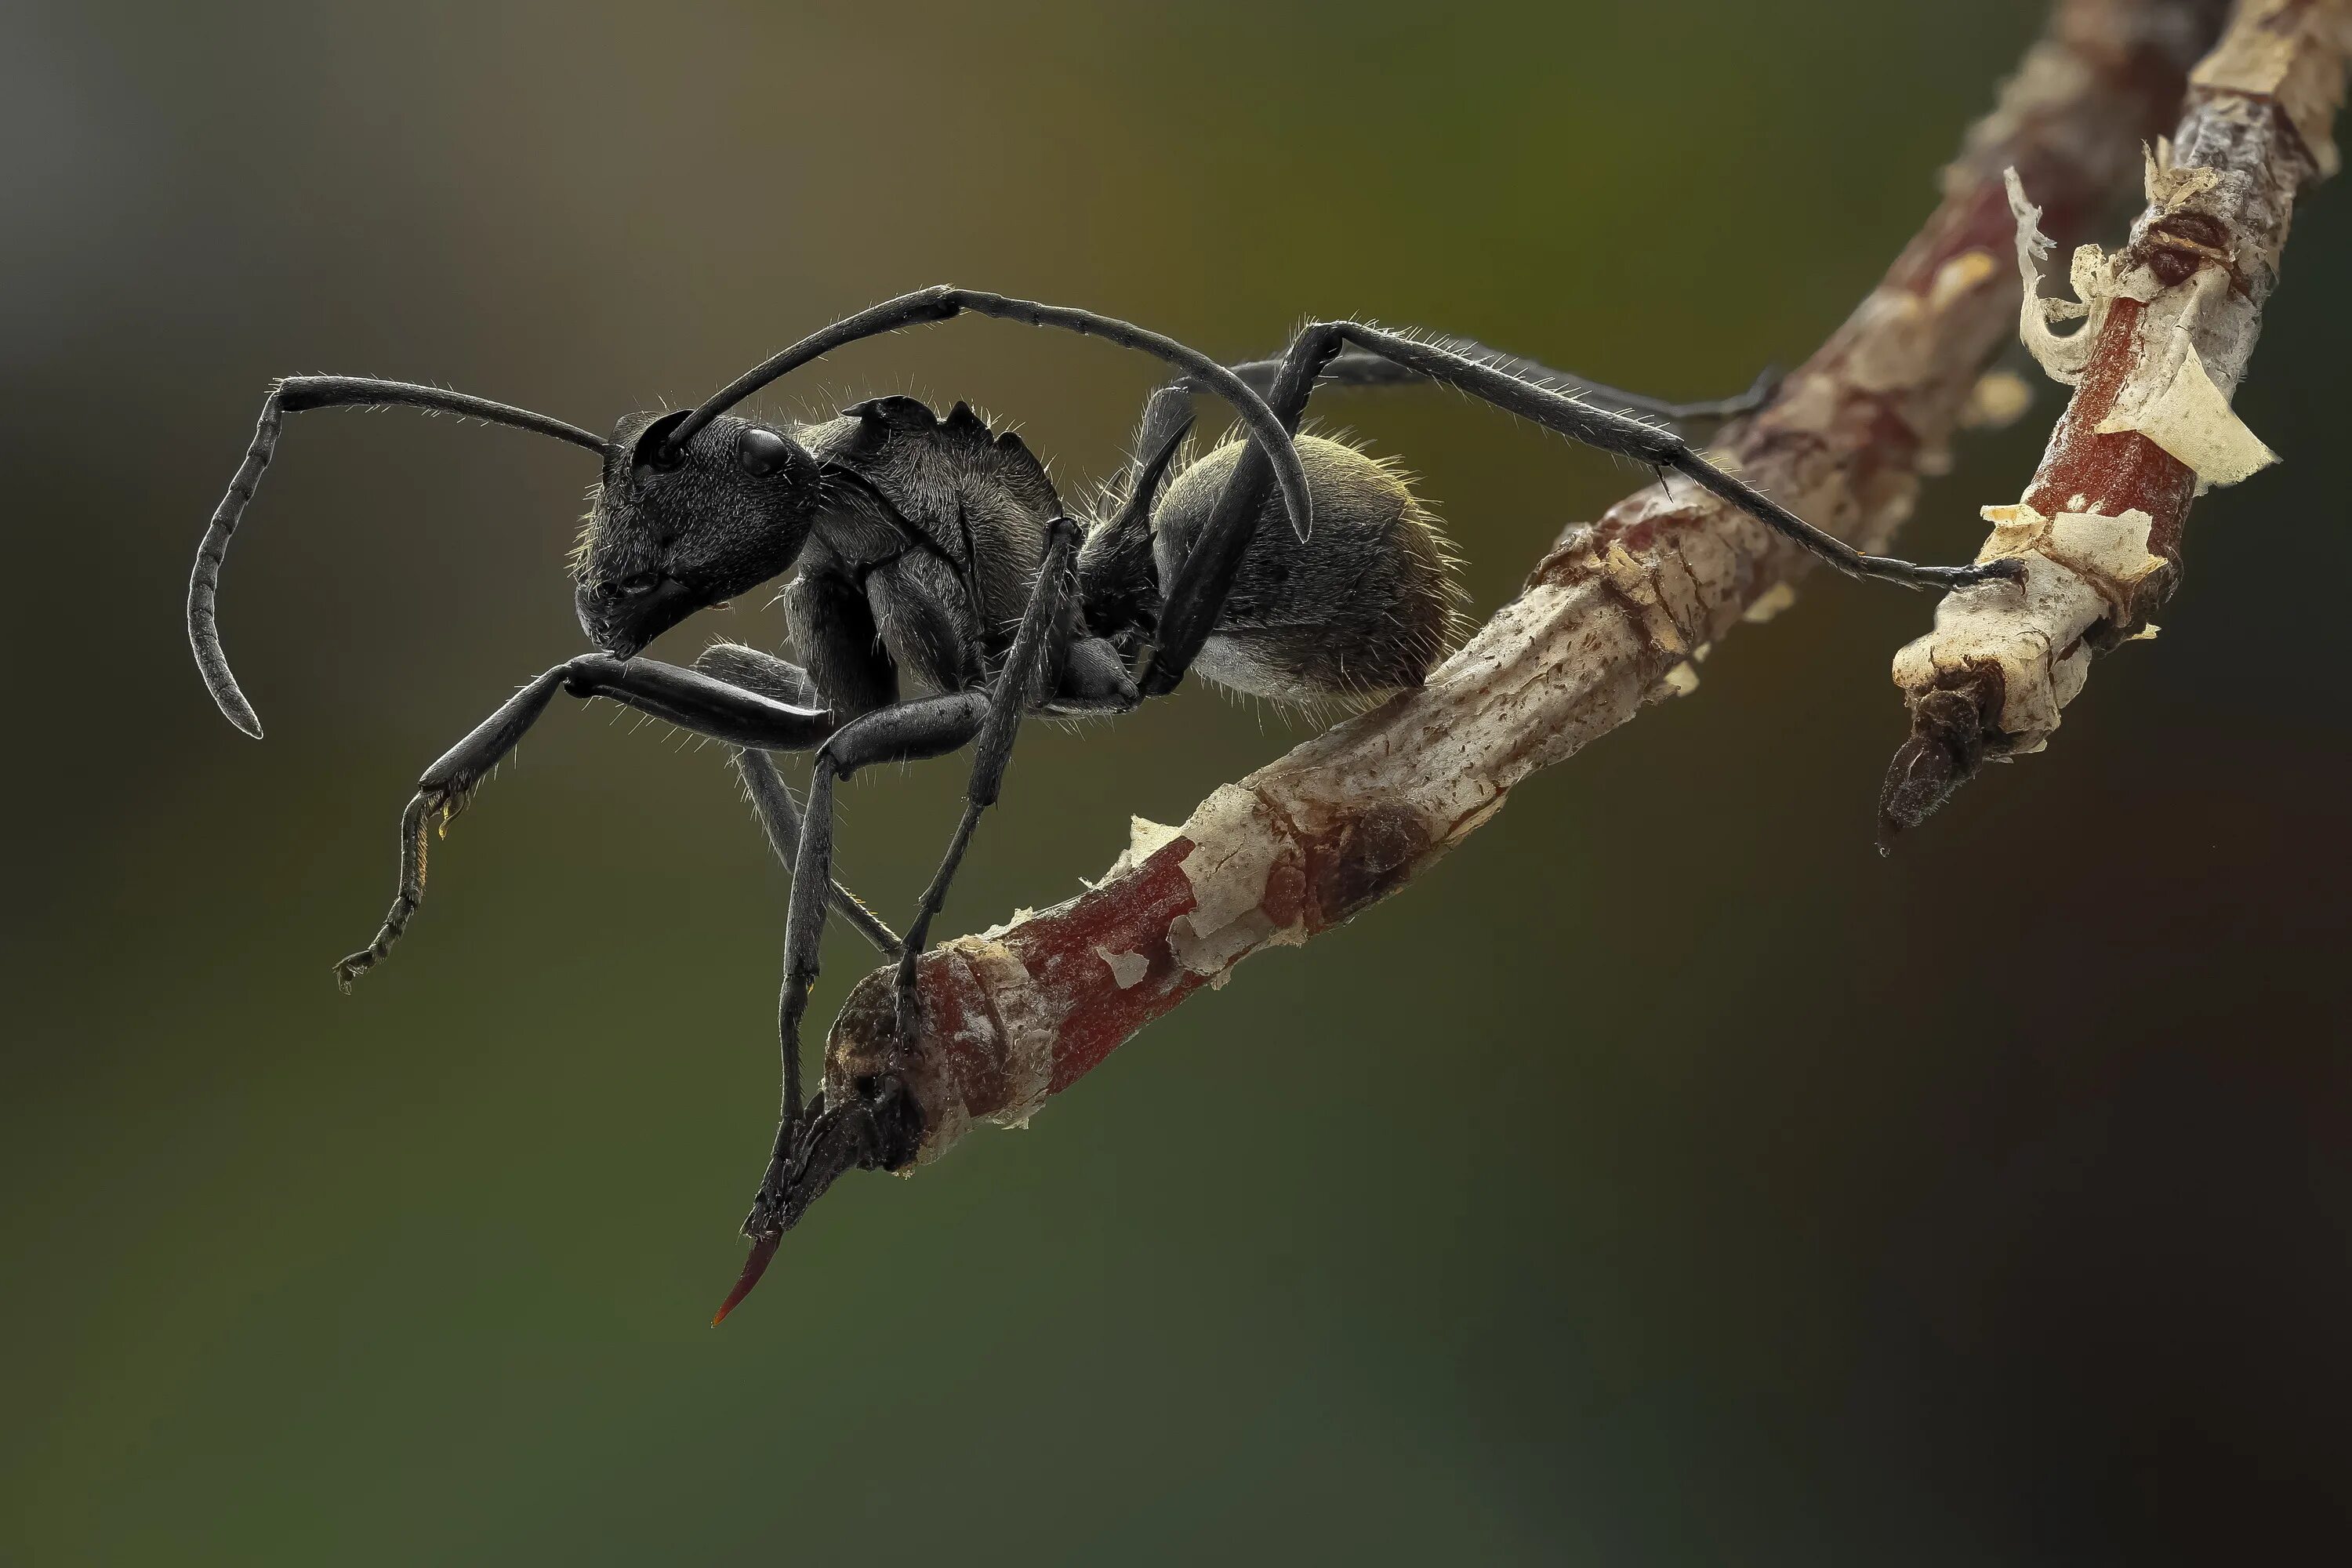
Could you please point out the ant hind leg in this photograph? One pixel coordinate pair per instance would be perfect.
(1359, 367)
(1645, 442)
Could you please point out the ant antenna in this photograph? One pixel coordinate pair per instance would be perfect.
(943, 303)
(293, 395)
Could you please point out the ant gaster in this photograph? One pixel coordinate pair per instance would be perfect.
(939, 590)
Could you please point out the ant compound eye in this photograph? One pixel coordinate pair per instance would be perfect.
(762, 453)
(637, 585)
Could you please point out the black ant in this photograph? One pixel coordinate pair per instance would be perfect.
(935, 552)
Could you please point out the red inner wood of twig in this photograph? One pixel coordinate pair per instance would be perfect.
(2112, 474)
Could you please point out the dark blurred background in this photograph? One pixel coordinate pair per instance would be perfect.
(1985, 1204)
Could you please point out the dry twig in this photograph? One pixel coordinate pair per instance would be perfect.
(1613, 618)
(2172, 318)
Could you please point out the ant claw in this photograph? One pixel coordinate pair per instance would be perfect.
(879, 1128)
(763, 1252)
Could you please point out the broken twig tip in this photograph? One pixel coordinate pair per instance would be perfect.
(1946, 745)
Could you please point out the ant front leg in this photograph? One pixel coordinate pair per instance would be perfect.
(692, 702)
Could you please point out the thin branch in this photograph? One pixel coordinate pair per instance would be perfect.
(1614, 617)
(2171, 322)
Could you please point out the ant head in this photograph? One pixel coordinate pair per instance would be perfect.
(677, 528)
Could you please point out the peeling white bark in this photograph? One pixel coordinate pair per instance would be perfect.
(2170, 323)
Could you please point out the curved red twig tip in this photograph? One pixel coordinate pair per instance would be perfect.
(762, 1251)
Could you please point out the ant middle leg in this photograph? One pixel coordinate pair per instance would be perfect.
(1018, 687)
(907, 731)
(812, 1148)
(772, 801)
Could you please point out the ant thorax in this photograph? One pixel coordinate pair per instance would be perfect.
(939, 523)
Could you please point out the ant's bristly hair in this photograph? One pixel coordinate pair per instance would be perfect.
(293, 395)
(943, 303)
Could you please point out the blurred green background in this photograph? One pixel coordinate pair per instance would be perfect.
(1985, 1204)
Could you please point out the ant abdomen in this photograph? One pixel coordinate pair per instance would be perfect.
(1367, 604)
